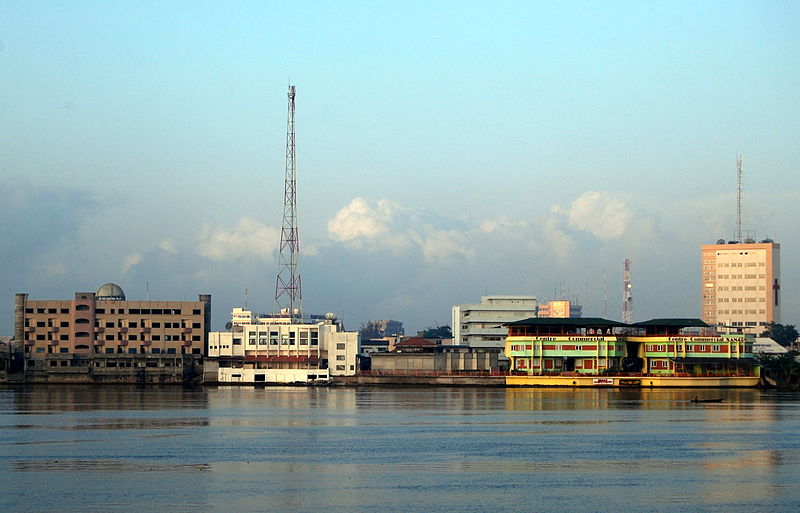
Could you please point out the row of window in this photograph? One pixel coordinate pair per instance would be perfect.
(51, 323)
(742, 312)
(118, 336)
(115, 311)
(740, 276)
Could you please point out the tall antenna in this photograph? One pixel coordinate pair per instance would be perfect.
(288, 292)
(739, 169)
(627, 296)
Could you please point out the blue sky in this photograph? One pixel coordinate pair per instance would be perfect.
(445, 150)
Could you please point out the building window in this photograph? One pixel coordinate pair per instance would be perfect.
(340, 357)
(340, 346)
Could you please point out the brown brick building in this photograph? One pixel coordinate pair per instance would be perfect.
(101, 334)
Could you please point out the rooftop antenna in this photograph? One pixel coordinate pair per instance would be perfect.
(147, 290)
(245, 298)
(605, 293)
(627, 296)
(288, 291)
(739, 169)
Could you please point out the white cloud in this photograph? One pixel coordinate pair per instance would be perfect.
(561, 244)
(601, 214)
(504, 224)
(130, 261)
(168, 245)
(443, 244)
(248, 239)
(387, 225)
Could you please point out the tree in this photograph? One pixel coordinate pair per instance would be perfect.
(783, 334)
(784, 368)
(370, 330)
(438, 332)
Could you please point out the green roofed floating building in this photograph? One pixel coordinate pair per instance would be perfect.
(592, 351)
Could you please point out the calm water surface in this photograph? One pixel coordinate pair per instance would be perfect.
(101, 449)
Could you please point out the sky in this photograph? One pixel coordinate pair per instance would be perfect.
(445, 150)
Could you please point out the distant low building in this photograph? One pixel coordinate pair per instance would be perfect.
(768, 346)
(482, 324)
(421, 357)
(559, 309)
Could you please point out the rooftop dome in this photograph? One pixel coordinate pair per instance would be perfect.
(110, 291)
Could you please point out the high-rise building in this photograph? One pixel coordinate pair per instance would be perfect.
(482, 324)
(741, 284)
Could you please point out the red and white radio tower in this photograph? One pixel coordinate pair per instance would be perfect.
(288, 292)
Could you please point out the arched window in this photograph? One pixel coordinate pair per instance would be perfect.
(82, 307)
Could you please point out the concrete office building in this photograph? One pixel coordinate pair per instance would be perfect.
(102, 336)
(280, 349)
(481, 324)
(741, 285)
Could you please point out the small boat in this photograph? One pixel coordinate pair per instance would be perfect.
(698, 400)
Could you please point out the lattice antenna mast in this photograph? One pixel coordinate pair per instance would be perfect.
(288, 290)
(739, 170)
(627, 294)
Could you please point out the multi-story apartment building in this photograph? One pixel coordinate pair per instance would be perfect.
(98, 335)
(278, 349)
(482, 324)
(741, 285)
(560, 309)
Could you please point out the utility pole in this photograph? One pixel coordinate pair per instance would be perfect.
(288, 291)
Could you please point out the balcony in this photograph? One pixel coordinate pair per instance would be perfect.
(99, 329)
(53, 329)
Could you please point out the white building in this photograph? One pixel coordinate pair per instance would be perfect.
(481, 324)
(272, 349)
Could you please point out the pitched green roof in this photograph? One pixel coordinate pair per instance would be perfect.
(682, 323)
(578, 322)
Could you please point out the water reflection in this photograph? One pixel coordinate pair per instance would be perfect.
(397, 449)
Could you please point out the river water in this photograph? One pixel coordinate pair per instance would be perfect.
(295, 449)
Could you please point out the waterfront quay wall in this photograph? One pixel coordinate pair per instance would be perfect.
(113, 368)
(421, 380)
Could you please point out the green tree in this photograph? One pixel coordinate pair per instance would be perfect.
(783, 368)
(438, 332)
(783, 334)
